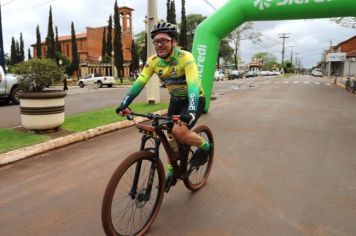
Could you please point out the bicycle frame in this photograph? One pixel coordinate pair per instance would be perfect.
(178, 162)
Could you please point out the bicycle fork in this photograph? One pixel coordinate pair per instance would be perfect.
(146, 192)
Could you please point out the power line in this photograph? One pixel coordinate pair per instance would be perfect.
(211, 4)
(31, 7)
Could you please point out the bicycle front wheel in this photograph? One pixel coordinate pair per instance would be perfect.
(199, 175)
(129, 206)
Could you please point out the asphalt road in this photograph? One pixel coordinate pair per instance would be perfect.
(284, 165)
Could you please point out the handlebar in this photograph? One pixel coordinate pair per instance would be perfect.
(130, 115)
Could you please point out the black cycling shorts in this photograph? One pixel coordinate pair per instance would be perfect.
(181, 107)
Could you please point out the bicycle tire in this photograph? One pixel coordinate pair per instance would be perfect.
(197, 180)
(111, 206)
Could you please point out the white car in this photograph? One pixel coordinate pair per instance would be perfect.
(317, 73)
(219, 76)
(97, 79)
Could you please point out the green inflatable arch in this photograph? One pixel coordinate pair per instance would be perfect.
(235, 12)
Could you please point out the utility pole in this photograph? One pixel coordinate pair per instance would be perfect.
(291, 54)
(296, 61)
(2, 56)
(153, 96)
(284, 37)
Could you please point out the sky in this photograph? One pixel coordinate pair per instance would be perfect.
(309, 37)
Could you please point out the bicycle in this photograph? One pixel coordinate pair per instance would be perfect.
(135, 191)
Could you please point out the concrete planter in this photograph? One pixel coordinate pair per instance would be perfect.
(42, 110)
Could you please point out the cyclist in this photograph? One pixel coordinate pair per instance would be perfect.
(178, 72)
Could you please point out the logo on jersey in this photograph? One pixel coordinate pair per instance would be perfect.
(192, 102)
(174, 72)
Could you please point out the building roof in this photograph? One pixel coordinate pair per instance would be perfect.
(124, 7)
(354, 37)
(69, 37)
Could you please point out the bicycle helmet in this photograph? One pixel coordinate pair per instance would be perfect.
(164, 27)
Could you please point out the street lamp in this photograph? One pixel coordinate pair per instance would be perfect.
(100, 59)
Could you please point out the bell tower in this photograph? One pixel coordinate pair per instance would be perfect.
(126, 35)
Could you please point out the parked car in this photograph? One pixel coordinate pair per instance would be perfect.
(219, 76)
(250, 74)
(9, 88)
(97, 79)
(316, 73)
(234, 74)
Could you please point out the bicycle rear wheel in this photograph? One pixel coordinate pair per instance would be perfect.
(198, 176)
(129, 212)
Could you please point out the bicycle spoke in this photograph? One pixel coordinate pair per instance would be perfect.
(130, 213)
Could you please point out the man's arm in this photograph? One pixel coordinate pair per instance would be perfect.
(138, 85)
(193, 83)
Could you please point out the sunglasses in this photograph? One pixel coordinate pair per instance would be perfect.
(162, 41)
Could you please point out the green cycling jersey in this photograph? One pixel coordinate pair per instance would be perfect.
(178, 72)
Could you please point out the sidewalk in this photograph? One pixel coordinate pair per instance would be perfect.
(340, 81)
(25, 152)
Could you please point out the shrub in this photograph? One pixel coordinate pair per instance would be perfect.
(36, 74)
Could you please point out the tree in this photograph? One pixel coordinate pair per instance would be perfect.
(74, 66)
(225, 52)
(135, 61)
(109, 38)
(17, 52)
(51, 48)
(21, 52)
(193, 20)
(29, 54)
(168, 5)
(173, 12)
(38, 42)
(118, 53)
(13, 53)
(57, 43)
(183, 40)
(103, 47)
(141, 44)
(244, 32)
(349, 22)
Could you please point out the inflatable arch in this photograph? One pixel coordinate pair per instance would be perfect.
(235, 12)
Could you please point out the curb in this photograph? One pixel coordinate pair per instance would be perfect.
(22, 153)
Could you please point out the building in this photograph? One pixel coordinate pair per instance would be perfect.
(340, 60)
(90, 45)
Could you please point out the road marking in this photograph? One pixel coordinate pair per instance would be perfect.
(295, 82)
(306, 82)
(285, 82)
(328, 84)
(317, 82)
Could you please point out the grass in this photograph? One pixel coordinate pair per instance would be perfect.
(88, 120)
(11, 139)
(124, 82)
